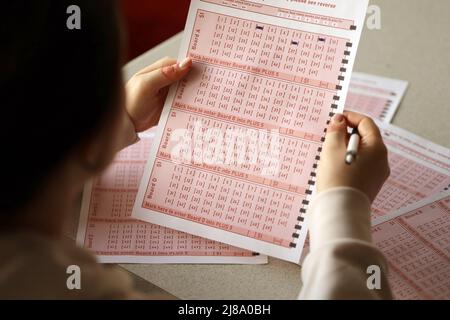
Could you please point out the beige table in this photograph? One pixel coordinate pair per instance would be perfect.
(413, 44)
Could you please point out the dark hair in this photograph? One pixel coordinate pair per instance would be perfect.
(56, 86)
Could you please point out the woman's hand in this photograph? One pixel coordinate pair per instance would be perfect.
(147, 90)
(370, 169)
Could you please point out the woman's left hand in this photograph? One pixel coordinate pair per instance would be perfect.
(147, 90)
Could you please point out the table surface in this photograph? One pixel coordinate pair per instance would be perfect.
(413, 45)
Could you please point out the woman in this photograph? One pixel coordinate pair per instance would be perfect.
(66, 113)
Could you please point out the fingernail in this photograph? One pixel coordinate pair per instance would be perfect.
(168, 70)
(338, 118)
(183, 64)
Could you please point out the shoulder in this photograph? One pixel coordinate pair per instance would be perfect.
(35, 267)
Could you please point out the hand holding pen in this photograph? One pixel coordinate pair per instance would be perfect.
(358, 161)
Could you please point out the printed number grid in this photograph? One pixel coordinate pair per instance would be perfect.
(244, 152)
(409, 182)
(375, 107)
(269, 50)
(417, 247)
(111, 231)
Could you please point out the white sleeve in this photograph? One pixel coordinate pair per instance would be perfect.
(341, 249)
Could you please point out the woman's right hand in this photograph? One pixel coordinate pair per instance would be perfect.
(370, 169)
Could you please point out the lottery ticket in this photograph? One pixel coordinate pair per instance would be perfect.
(239, 139)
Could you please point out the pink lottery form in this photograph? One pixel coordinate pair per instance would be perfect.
(416, 243)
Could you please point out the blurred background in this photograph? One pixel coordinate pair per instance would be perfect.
(150, 22)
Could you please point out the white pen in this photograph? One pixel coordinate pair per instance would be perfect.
(352, 148)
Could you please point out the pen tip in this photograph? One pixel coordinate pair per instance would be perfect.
(348, 159)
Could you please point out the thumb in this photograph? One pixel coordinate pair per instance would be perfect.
(337, 131)
(167, 75)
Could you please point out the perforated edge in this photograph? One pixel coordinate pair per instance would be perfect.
(312, 180)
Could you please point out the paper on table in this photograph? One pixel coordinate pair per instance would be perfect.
(417, 146)
(419, 169)
(240, 137)
(416, 243)
(375, 96)
(107, 229)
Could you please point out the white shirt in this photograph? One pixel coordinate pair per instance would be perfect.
(341, 249)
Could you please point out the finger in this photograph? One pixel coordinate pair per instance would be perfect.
(163, 62)
(162, 95)
(163, 77)
(336, 132)
(366, 126)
